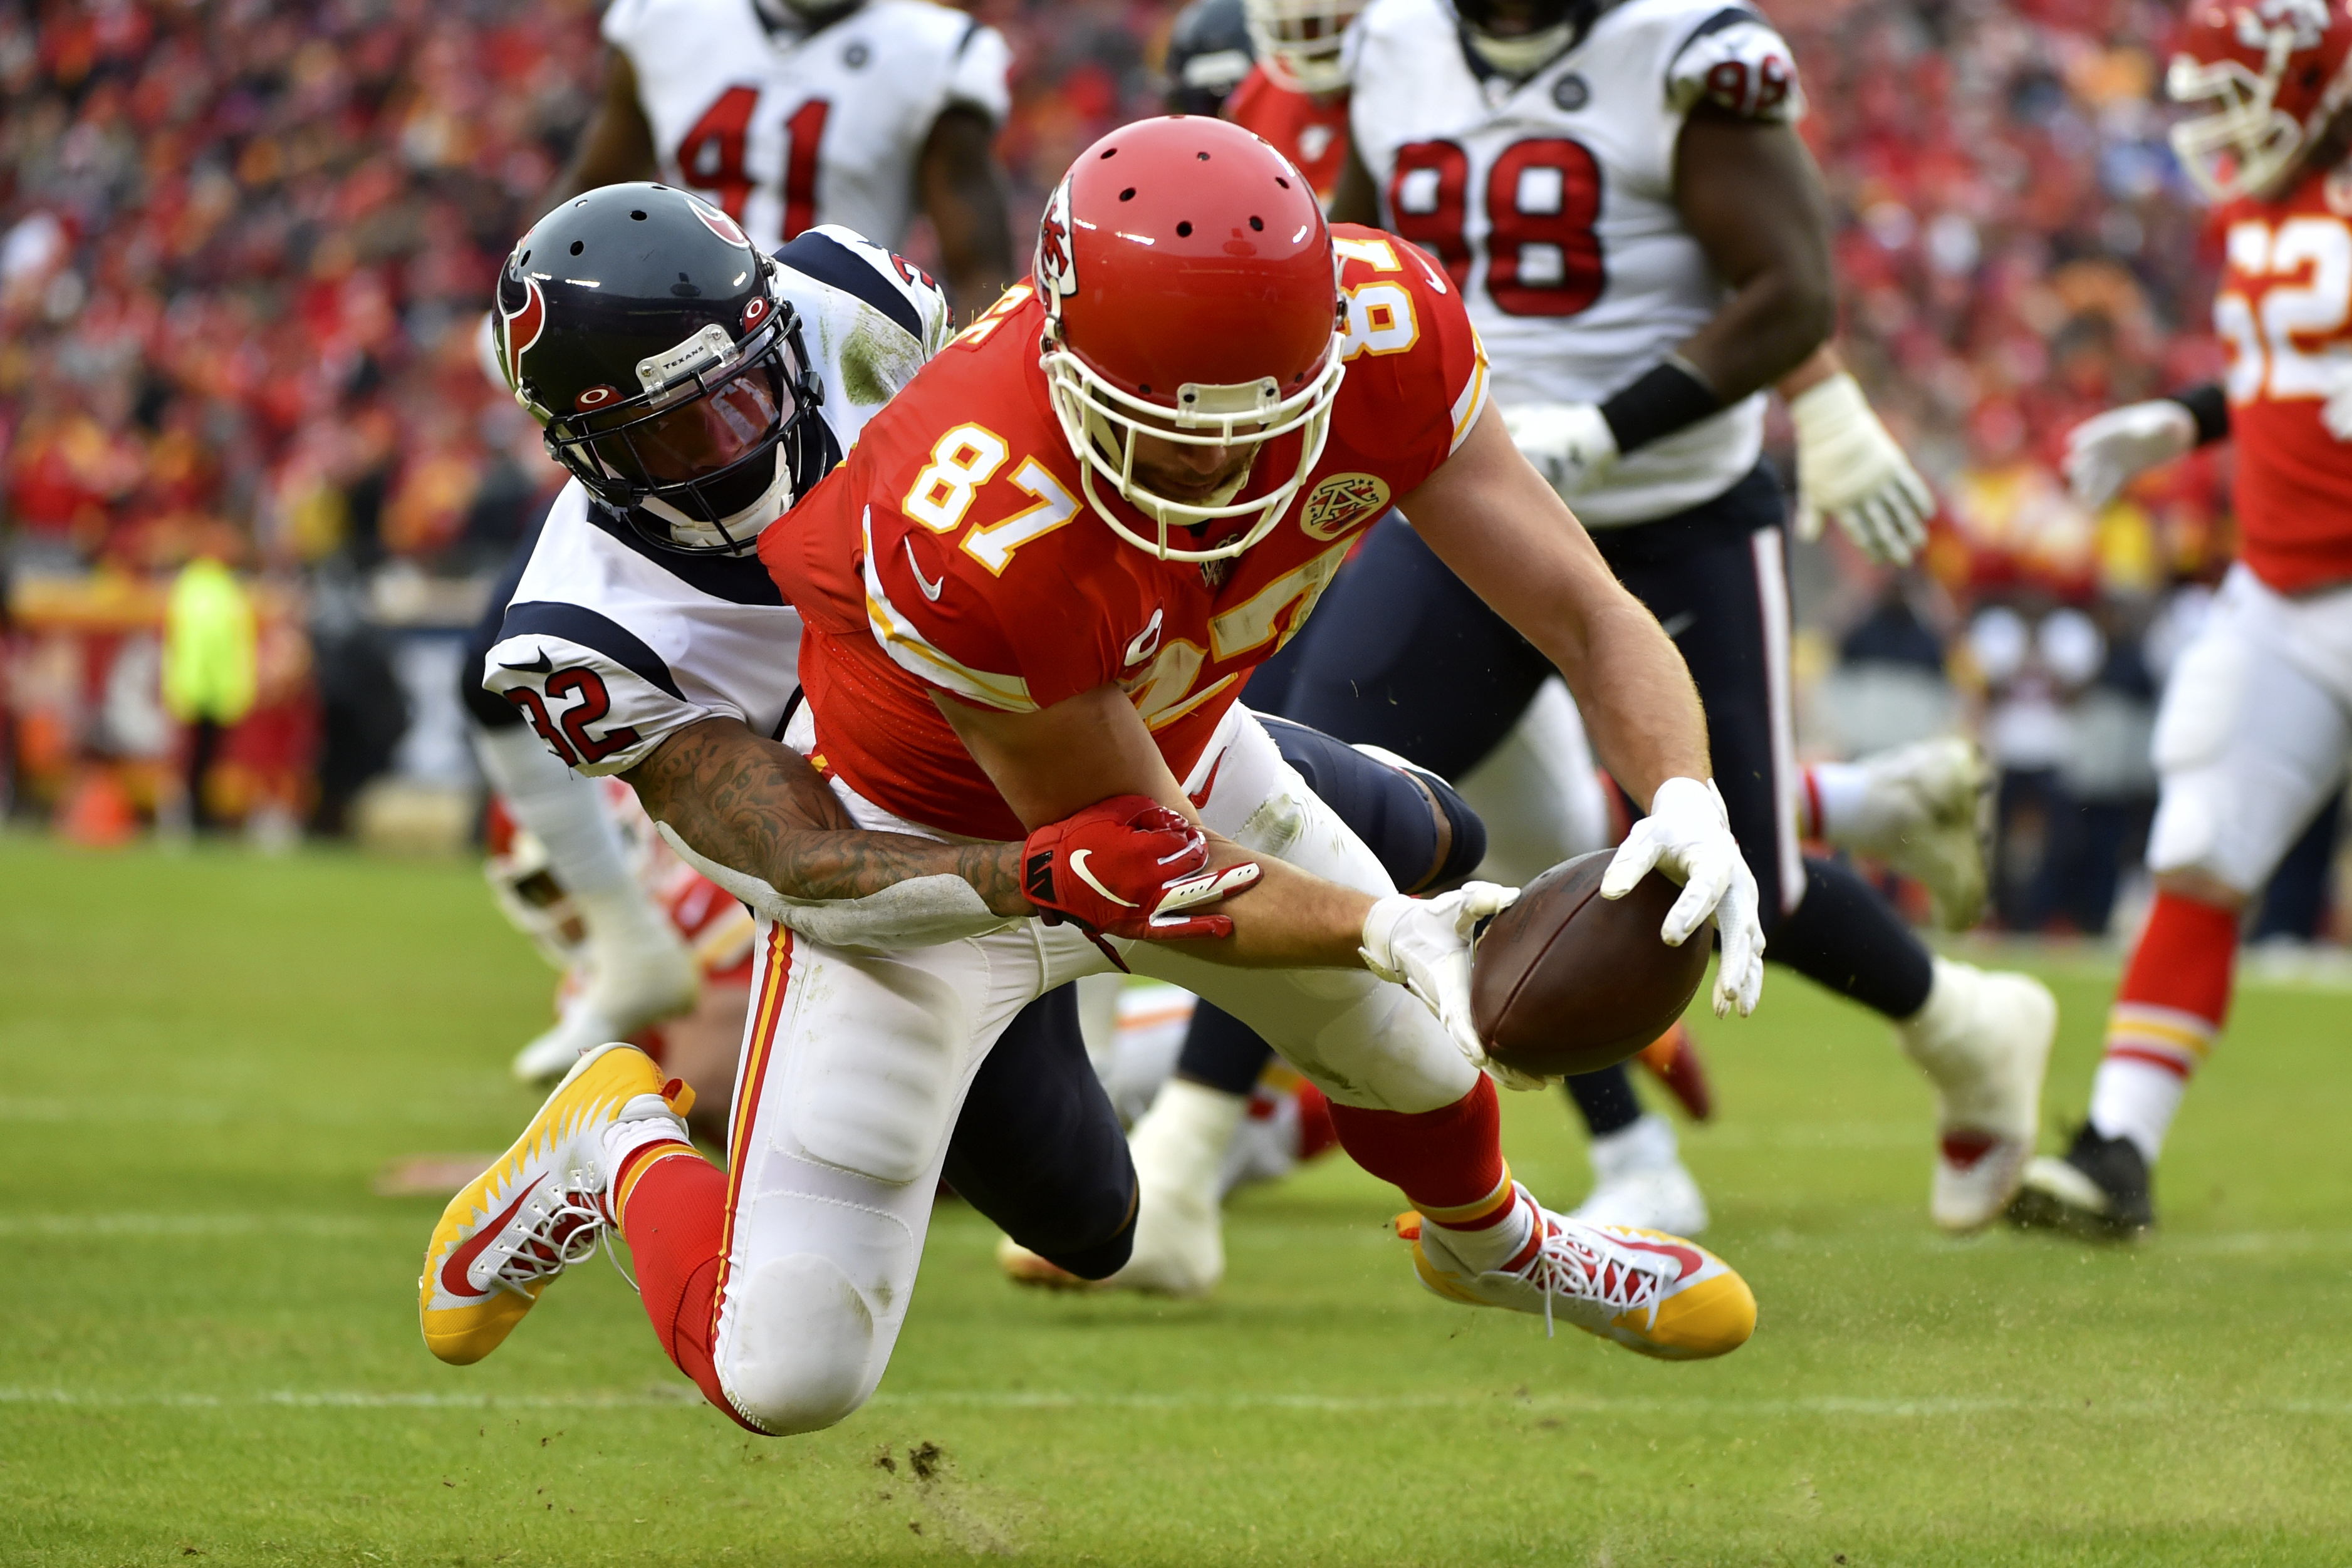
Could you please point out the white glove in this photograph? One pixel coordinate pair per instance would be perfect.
(2106, 449)
(1568, 443)
(2336, 414)
(1687, 835)
(1849, 467)
(1425, 944)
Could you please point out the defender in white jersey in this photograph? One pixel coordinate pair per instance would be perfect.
(788, 115)
(1641, 240)
(696, 389)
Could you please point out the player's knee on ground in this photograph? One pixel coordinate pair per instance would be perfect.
(800, 1345)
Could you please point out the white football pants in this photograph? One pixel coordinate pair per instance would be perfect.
(856, 1064)
(2253, 731)
(1539, 792)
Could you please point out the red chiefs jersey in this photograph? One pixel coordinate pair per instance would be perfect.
(1310, 132)
(953, 551)
(2285, 311)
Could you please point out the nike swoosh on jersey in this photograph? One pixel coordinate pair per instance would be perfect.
(453, 1272)
(542, 665)
(931, 590)
(1078, 864)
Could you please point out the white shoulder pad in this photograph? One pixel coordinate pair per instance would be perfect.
(921, 911)
(623, 22)
(976, 77)
(595, 713)
(1738, 62)
(910, 282)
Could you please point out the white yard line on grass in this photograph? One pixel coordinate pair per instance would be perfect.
(1826, 1405)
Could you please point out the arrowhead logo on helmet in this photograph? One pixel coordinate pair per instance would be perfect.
(1057, 270)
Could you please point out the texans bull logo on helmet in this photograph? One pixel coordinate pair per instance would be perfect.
(522, 317)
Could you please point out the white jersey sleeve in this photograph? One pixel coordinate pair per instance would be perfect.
(870, 319)
(611, 645)
(978, 78)
(1739, 63)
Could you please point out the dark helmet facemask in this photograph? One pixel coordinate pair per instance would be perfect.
(717, 444)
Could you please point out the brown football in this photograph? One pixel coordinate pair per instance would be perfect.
(1567, 981)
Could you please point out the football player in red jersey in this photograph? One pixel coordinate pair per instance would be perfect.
(1032, 595)
(2255, 728)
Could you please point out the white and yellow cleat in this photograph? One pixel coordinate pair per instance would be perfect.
(541, 1206)
(1656, 1294)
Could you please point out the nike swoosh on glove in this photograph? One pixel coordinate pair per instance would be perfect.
(1128, 867)
(1849, 468)
(1427, 945)
(1687, 835)
(2106, 450)
(1570, 444)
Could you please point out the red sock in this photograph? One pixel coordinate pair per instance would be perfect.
(2184, 958)
(673, 1208)
(1449, 1162)
(2175, 994)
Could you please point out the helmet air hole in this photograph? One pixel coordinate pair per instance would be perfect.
(1127, 195)
(1203, 157)
(1183, 231)
(639, 216)
(1258, 223)
(526, 260)
(578, 246)
(1110, 151)
(1281, 181)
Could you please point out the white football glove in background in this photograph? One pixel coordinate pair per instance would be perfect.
(1568, 443)
(2336, 414)
(1424, 945)
(1849, 467)
(1687, 835)
(2106, 450)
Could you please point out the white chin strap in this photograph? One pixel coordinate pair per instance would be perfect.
(1527, 54)
(743, 527)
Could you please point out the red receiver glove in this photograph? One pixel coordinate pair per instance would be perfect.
(1128, 867)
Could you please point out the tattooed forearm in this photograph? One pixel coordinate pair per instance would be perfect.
(759, 807)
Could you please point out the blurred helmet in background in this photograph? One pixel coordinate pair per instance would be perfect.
(1299, 41)
(2273, 74)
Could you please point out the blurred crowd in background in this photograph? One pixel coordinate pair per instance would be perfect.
(245, 246)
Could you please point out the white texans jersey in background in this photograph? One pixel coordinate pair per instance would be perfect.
(611, 643)
(787, 130)
(1551, 203)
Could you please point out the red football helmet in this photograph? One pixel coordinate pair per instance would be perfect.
(1192, 295)
(2275, 70)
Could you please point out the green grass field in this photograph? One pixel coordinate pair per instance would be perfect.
(208, 1348)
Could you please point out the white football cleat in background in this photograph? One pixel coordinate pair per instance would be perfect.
(1639, 1181)
(640, 973)
(1180, 1149)
(1924, 810)
(1653, 1293)
(1984, 1040)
